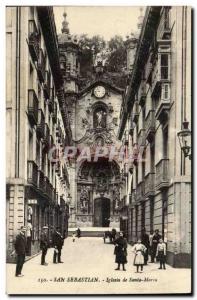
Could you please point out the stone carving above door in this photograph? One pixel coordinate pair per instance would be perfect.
(84, 200)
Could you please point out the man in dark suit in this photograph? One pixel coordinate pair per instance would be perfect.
(58, 241)
(155, 242)
(20, 248)
(44, 244)
(146, 243)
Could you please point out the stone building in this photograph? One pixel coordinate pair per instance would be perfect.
(94, 119)
(156, 105)
(37, 120)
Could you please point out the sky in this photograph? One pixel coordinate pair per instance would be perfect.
(94, 20)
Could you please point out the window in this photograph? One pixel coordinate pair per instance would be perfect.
(30, 145)
(164, 66)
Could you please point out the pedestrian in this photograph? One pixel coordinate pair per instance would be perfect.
(151, 245)
(73, 237)
(44, 244)
(139, 250)
(113, 234)
(120, 251)
(161, 254)
(58, 242)
(20, 248)
(155, 242)
(78, 233)
(145, 242)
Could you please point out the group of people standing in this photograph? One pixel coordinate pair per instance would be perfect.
(20, 246)
(152, 245)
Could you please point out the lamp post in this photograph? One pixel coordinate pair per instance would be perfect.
(185, 139)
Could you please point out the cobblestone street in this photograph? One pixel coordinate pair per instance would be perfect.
(89, 268)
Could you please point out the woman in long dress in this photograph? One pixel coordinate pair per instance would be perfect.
(120, 251)
(139, 250)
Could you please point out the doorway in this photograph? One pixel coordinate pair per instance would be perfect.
(101, 212)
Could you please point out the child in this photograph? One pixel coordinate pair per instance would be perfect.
(161, 254)
(73, 237)
(139, 250)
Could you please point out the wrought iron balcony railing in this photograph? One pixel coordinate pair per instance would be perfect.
(32, 107)
(41, 66)
(150, 125)
(46, 86)
(33, 40)
(40, 124)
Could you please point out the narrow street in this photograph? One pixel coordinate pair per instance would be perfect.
(91, 263)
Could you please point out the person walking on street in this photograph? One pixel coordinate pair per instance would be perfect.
(120, 251)
(161, 254)
(78, 233)
(139, 250)
(20, 248)
(73, 237)
(155, 242)
(58, 242)
(44, 244)
(145, 242)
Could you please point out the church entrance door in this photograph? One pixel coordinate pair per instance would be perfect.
(101, 212)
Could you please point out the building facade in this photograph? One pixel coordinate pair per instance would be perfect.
(37, 120)
(156, 103)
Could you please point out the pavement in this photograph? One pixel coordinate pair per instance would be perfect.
(89, 268)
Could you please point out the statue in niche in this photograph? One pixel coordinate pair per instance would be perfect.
(100, 118)
(116, 197)
(99, 141)
(84, 200)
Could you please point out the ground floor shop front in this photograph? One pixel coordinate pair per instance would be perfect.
(28, 207)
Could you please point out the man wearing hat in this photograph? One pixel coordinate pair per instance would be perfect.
(20, 248)
(44, 244)
(58, 242)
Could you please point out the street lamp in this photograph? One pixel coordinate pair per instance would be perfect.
(185, 139)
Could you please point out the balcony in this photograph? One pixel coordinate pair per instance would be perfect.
(46, 86)
(40, 124)
(140, 191)
(164, 32)
(41, 181)
(149, 185)
(54, 114)
(33, 40)
(51, 101)
(148, 68)
(46, 138)
(162, 177)
(142, 93)
(135, 112)
(141, 140)
(41, 66)
(32, 173)
(150, 125)
(164, 104)
(32, 107)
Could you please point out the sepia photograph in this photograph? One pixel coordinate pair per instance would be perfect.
(98, 150)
